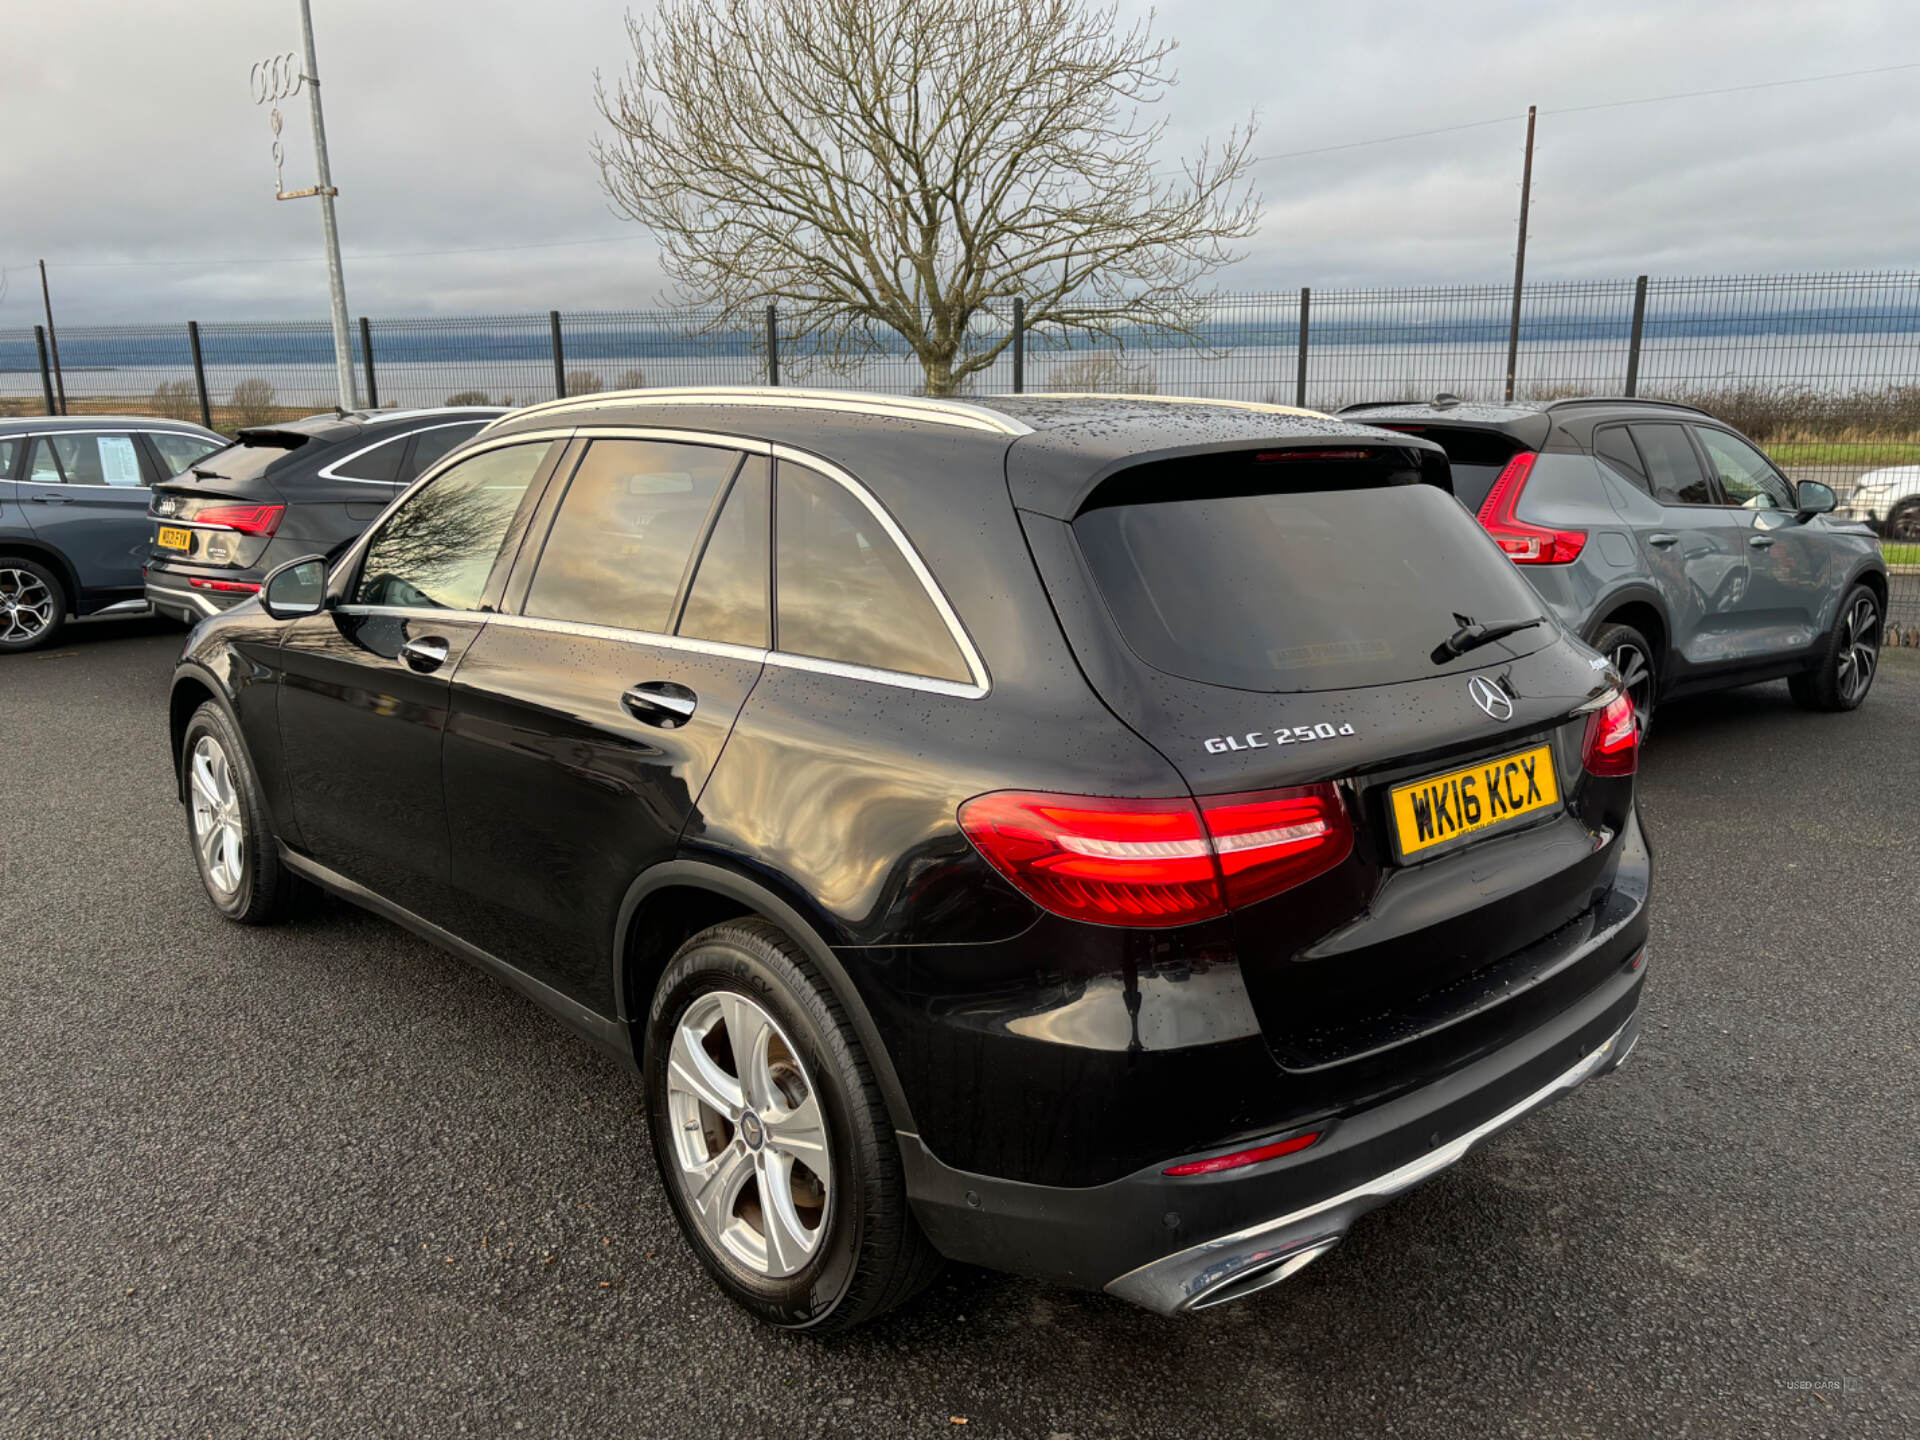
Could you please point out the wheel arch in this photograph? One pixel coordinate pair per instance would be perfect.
(55, 560)
(674, 901)
(193, 686)
(1641, 608)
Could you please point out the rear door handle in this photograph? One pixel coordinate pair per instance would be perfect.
(1760, 542)
(1663, 541)
(660, 702)
(425, 655)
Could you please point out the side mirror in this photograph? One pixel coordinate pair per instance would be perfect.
(1810, 497)
(296, 588)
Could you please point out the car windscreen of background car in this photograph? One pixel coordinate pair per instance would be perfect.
(1300, 588)
(1476, 457)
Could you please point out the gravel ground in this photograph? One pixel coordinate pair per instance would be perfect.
(324, 1179)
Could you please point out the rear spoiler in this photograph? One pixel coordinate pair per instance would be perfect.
(267, 435)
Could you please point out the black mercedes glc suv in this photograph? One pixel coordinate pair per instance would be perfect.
(1117, 840)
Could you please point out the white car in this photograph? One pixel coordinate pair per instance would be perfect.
(1889, 501)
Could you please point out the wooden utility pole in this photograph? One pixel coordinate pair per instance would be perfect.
(1520, 256)
(53, 340)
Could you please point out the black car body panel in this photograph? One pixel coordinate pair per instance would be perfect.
(323, 479)
(522, 800)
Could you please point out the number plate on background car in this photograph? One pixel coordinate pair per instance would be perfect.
(174, 537)
(1440, 808)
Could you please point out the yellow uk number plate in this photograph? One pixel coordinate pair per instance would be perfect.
(1440, 808)
(175, 537)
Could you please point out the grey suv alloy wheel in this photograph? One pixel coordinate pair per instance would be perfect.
(1850, 657)
(1633, 656)
(33, 606)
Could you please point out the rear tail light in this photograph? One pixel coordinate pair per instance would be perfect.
(1612, 745)
(1158, 862)
(1525, 544)
(247, 519)
(1243, 1157)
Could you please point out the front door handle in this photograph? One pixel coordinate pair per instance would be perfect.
(1760, 542)
(1663, 541)
(660, 702)
(425, 655)
(51, 499)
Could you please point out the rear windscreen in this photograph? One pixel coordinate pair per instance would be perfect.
(1477, 457)
(1306, 589)
(243, 460)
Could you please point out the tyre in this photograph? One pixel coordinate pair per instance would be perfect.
(1848, 659)
(33, 604)
(1634, 657)
(1903, 524)
(772, 1138)
(227, 823)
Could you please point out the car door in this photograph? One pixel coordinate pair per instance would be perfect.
(1795, 574)
(1695, 552)
(364, 684)
(85, 493)
(585, 725)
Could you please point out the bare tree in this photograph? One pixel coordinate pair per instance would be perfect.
(253, 401)
(914, 165)
(584, 382)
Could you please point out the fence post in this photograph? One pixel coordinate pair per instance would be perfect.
(46, 375)
(773, 346)
(366, 356)
(1019, 345)
(559, 358)
(199, 373)
(1300, 375)
(1633, 340)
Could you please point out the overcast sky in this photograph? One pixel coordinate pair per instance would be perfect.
(131, 137)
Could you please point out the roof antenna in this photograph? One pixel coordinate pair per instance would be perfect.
(1445, 400)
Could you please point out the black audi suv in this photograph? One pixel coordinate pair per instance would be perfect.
(282, 491)
(1110, 839)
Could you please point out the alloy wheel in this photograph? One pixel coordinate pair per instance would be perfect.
(219, 829)
(1859, 649)
(26, 607)
(1636, 674)
(748, 1131)
(1906, 523)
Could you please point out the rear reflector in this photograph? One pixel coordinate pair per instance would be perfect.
(247, 519)
(225, 587)
(1612, 745)
(1158, 862)
(1243, 1157)
(1525, 544)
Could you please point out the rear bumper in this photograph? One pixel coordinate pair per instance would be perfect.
(1174, 1244)
(172, 593)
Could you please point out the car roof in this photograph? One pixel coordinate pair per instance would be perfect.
(18, 424)
(342, 425)
(1051, 449)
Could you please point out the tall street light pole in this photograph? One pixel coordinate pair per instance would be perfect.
(279, 78)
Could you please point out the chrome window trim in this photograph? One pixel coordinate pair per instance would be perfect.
(964, 414)
(981, 684)
(329, 470)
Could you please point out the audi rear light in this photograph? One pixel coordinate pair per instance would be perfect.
(1157, 862)
(1612, 745)
(247, 519)
(1525, 544)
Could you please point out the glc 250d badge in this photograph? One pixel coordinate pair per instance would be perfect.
(1267, 739)
(1490, 698)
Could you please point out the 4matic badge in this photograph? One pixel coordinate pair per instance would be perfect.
(1268, 739)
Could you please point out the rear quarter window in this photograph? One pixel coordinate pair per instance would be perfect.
(1352, 582)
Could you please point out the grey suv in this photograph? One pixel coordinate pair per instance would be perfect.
(73, 514)
(1667, 540)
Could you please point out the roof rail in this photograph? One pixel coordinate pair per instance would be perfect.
(938, 411)
(1624, 400)
(1255, 405)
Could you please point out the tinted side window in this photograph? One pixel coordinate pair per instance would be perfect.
(1745, 476)
(1672, 466)
(728, 601)
(429, 445)
(100, 460)
(7, 448)
(438, 549)
(843, 589)
(625, 532)
(1615, 449)
(381, 463)
(178, 452)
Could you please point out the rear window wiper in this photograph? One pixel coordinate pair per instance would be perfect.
(1472, 635)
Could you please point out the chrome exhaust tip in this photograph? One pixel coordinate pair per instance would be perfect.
(1253, 1278)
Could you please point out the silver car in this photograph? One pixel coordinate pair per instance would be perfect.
(1669, 541)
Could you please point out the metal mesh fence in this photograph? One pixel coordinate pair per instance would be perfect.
(1822, 370)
